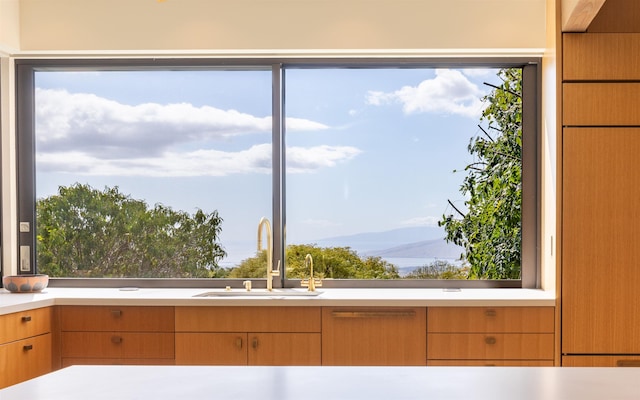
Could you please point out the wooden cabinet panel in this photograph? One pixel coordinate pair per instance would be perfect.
(117, 345)
(601, 225)
(211, 348)
(490, 363)
(248, 335)
(494, 346)
(601, 104)
(25, 359)
(490, 319)
(117, 318)
(24, 324)
(284, 349)
(601, 361)
(599, 57)
(247, 319)
(373, 336)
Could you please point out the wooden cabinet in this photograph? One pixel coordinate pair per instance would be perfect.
(25, 345)
(248, 335)
(490, 336)
(117, 335)
(373, 336)
(600, 194)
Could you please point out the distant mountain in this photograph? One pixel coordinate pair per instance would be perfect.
(435, 248)
(420, 242)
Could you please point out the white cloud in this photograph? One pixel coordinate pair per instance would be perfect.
(308, 159)
(450, 92)
(89, 135)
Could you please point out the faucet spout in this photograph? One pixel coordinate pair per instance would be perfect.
(265, 225)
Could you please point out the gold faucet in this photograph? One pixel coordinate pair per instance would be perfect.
(264, 222)
(312, 282)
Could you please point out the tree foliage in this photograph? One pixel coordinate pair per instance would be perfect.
(490, 228)
(439, 269)
(328, 263)
(84, 232)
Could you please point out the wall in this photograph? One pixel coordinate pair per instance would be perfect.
(9, 26)
(204, 25)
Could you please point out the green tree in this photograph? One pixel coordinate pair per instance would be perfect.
(328, 263)
(490, 228)
(439, 269)
(252, 267)
(84, 232)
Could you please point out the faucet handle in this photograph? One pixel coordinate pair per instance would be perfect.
(276, 272)
(311, 283)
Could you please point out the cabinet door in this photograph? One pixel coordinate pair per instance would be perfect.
(284, 349)
(374, 336)
(601, 230)
(25, 359)
(199, 348)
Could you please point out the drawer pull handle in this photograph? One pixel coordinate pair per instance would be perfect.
(239, 343)
(27, 347)
(628, 363)
(116, 339)
(490, 313)
(116, 313)
(490, 340)
(374, 314)
(254, 343)
(26, 318)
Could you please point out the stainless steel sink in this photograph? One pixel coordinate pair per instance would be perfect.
(259, 293)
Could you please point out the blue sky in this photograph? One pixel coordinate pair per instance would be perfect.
(367, 150)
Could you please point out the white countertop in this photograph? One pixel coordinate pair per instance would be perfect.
(330, 383)
(12, 302)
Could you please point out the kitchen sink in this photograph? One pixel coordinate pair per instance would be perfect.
(259, 293)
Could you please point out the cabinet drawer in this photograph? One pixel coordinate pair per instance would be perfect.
(25, 359)
(494, 346)
(491, 319)
(601, 104)
(248, 319)
(24, 324)
(117, 345)
(490, 363)
(116, 318)
(601, 361)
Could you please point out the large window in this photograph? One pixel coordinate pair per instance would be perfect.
(134, 169)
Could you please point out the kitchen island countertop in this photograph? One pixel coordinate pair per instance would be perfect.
(323, 383)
